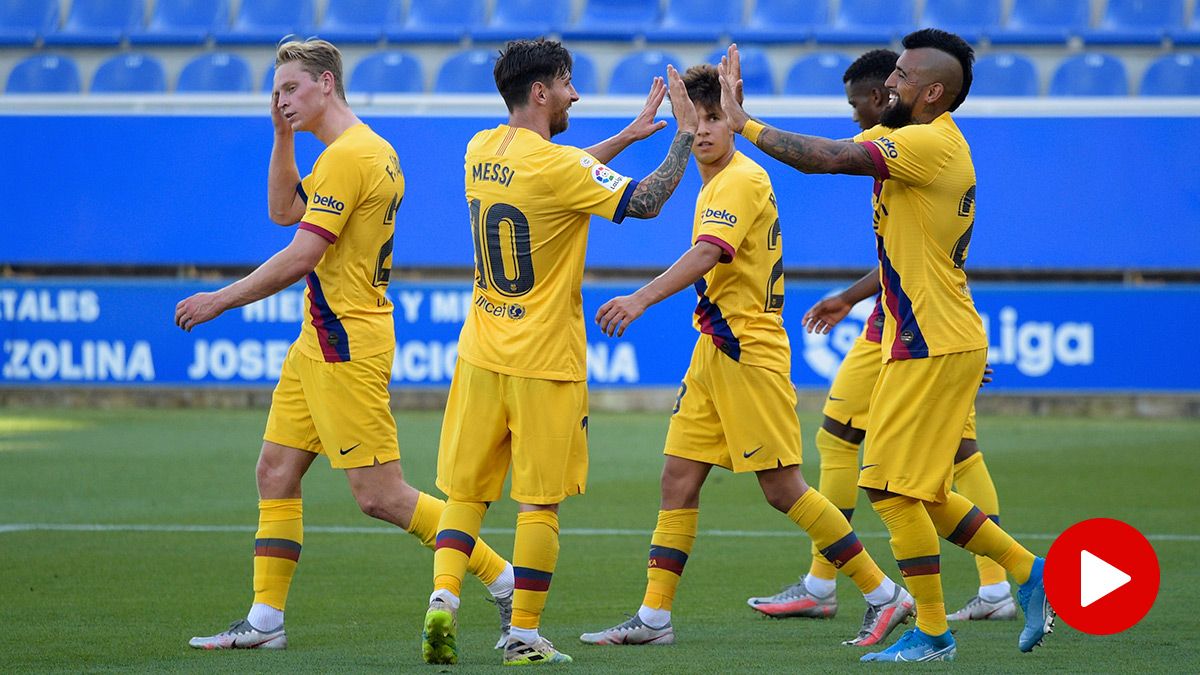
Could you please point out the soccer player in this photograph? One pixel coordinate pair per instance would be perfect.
(736, 407)
(519, 393)
(846, 410)
(332, 396)
(933, 344)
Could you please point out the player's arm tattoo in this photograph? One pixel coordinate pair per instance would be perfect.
(813, 154)
(653, 190)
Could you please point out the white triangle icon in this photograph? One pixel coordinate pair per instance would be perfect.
(1097, 578)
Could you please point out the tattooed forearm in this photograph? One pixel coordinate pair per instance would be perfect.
(653, 190)
(813, 154)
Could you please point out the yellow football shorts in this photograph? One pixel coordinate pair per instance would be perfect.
(728, 414)
(849, 399)
(339, 410)
(493, 420)
(919, 411)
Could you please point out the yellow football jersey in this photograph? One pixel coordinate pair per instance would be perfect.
(741, 299)
(352, 195)
(530, 202)
(873, 326)
(924, 215)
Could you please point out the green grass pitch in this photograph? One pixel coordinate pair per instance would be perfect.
(127, 599)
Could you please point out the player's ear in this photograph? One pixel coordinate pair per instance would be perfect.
(538, 93)
(934, 93)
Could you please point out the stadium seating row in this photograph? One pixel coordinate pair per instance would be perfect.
(470, 71)
(109, 22)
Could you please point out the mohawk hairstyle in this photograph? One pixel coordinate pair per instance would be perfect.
(523, 62)
(948, 43)
(873, 66)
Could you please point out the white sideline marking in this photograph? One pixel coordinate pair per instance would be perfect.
(576, 531)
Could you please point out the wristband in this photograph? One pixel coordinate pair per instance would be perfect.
(752, 129)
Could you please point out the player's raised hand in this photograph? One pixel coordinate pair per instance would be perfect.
(731, 88)
(614, 316)
(733, 64)
(644, 125)
(823, 316)
(681, 104)
(197, 309)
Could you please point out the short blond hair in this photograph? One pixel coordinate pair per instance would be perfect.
(315, 56)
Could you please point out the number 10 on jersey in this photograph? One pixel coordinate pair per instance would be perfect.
(503, 253)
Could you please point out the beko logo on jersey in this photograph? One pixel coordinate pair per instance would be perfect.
(329, 202)
(888, 146)
(513, 311)
(721, 217)
(607, 178)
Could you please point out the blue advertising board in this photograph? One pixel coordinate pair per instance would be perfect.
(76, 332)
(1087, 193)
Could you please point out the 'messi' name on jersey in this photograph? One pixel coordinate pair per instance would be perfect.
(329, 202)
(511, 310)
(497, 173)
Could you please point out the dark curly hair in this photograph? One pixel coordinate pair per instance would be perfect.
(703, 86)
(873, 66)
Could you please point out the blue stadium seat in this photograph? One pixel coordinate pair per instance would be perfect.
(98, 23)
(1092, 74)
(583, 73)
(1172, 75)
(439, 21)
(1043, 22)
(1189, 35)
(390, 72)
(215, 72)
(468, 72)
(268, 82)
(22, 22)
(968, 19)
(182, 22)
(1136, 22)
(696, 20)
(44, 74)
(513, 19)
(266, 22)
(1005, 74)
(868, 21)
(361, 21)
(775, 21)
(633, 74)
(129, 73)
(757, 78)
(613, 20)
(818, 74)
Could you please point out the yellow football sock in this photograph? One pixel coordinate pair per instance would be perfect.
(835, 540)
(915, 545)
(458, 529)
(670, 547)
(972, 480)
(485, 563)
(277, 549)
(535, 555)
(961, 523)
(839, 484)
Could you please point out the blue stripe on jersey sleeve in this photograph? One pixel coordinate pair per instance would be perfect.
(619, 215)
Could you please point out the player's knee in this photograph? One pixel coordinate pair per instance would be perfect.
(679, 492)
(371, 504)
(275, 479)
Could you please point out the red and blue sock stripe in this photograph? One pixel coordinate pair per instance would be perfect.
(666, 558)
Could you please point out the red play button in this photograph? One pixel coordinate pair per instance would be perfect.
(1101, 576)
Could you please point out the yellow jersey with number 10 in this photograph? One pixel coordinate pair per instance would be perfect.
(741, 299)
(352, 196)
(924, 216)
(530, 203)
